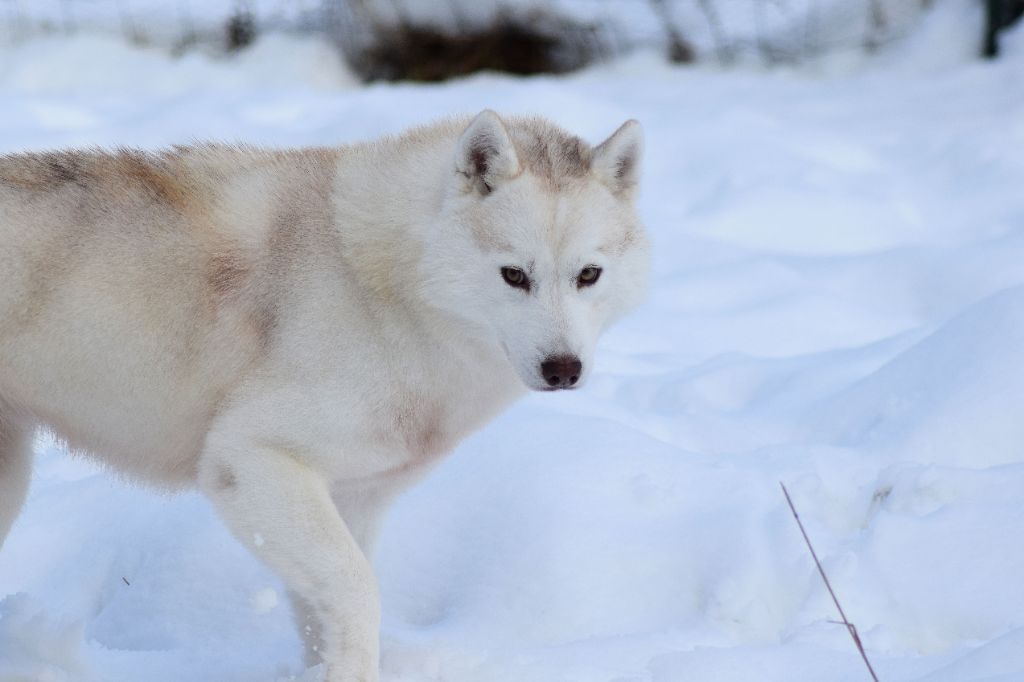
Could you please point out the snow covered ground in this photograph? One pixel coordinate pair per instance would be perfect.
(838, 304)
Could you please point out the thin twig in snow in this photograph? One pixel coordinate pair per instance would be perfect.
(850, 627)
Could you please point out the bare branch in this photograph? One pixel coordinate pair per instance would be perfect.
(850, 627)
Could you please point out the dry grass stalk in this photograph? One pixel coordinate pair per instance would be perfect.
(850, 627)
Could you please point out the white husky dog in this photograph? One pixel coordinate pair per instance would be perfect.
(302, 334)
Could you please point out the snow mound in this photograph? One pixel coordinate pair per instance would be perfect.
(32, 647)
(947, 400)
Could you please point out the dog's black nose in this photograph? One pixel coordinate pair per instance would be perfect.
(561, 371)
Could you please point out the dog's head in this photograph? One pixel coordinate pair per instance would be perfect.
(538, 242)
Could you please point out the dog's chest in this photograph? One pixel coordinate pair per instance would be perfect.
(414, 428)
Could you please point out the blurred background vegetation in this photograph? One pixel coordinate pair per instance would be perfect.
(431, 40)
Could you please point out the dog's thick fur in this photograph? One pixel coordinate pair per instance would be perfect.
(303, 333)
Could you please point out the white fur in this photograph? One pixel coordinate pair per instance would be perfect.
(303, 334)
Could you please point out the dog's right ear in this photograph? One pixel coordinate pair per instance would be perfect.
(485, 155)
(616, 161)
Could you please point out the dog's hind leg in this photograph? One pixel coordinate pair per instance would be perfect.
(15, 469)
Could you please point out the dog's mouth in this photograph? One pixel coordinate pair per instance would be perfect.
(537, 387)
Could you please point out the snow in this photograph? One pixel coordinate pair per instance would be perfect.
(264, 601)
(90, 64)
(837, 304)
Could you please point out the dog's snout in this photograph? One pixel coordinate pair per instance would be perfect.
(562, 371)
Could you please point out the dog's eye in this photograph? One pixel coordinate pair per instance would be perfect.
(588, 276)
(514, 277)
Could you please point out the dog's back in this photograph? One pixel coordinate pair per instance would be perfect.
(122, 296)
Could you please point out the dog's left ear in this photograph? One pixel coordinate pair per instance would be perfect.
(485, 154)
(616, 161)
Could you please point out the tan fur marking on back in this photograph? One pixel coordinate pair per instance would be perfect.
(91, 170)
(233, 282)
(264, 322)
(240, 271)
(150, 173)
(227, 274)
(39, 172)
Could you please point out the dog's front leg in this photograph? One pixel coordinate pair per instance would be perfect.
(282, 510)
